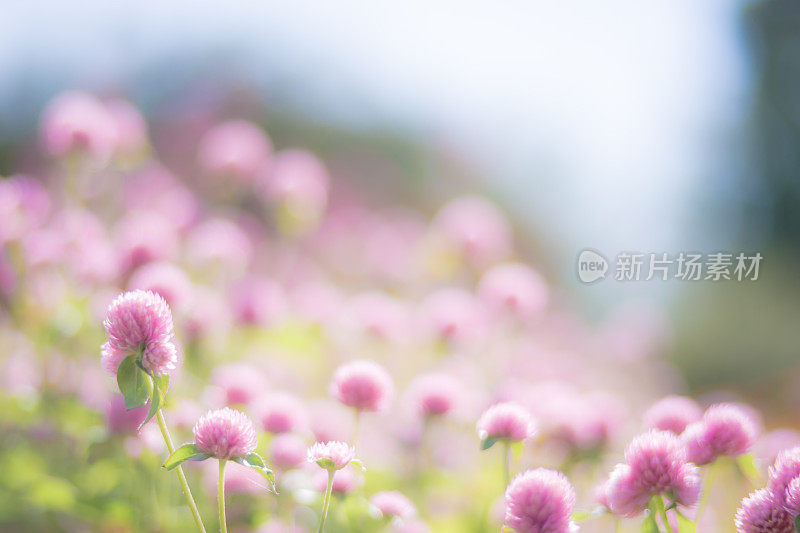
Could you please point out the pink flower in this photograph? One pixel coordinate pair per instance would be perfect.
(282, 413)
(77, 122)
(257, 301)
(514, 289)
(393, 503)
(299, 182)
(287, 451)
(164, 279)
(344, 481)
(475, 229)
(452, 315)
(240, 383)
(120, 420)
(363, 385)
(506, 421)
(130, 125)
(761, 513)
(655, 464)
(235, 149)
(540, 501)
(434, 394)
(331, 455)
(672, 413)
(725, 429)
(380, 315)
(145, 236)
(781, 474)
(225, 434)
(792, 498)
(139, 320)
(218, 242)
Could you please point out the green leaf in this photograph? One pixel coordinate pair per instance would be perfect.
(187, 452)
(580, 516)
(684, 524)
(358, 464)
(156, 401)
(132, 383)
(162, 382)
(747, 466)
(488, 442)
(797, 524)
(650, 525)
(254, 461)
(326, 463)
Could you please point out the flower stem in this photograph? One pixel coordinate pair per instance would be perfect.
(706, 490)
(663, 511)
(355, 427)
(506, 461)
(162, 425)
(327, 502)
(223, 526)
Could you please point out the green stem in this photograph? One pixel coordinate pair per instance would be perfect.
(506, 461)
(223, 526)
(162, 425)
(706, 490)
(327, 502)
(663, 511)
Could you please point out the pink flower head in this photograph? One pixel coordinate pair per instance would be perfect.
(345, 481)
(298, 181)
(363, 385)
(380, 315)
(164, 279)
(506, 421)
(145, 236)
(240, 383)
(130, 125)
(655, 464)
(792, 498)
(452, 315)
(393, 503)
(513, 289)
(225, 434)
(218, 242)
(475, 229)
(434, 394)
(257, 301)
(282, 413)
(287, 451)
(760, 512)
(139, 320)
(781, 474)
(540, 501)
(725, 429)
(79, 123)
(235, 149)
(672, 413)
(120, 420)
(331, 455)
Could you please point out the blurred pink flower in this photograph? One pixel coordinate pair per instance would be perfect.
(139, 320)
(240, 383)
(380, 315)
(238, 479)
(257, 301)
(540, 501)
(393, 503)
(725, 429)
(452, 315)
(475, 229)
(121, 420)
(298, 182)
(772, 443)
(220, 243)
(225, 434)
(334, 455)
(513, 289)
(655, 464)
(164, 279)
(506, 421)
(130, 126)
(24, 205)
(672, 413)
(78, 123)
(434, 394)
(281, 413)
(345, 481)
(287, 451)
(236, 149)
(363, 385)
(142, 237)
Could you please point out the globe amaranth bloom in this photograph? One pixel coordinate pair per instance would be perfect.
(139, 320)
(513, 289)
(363, 385)
(672, 413)
(781, 474)
(225, 434)
(655, 465)
(506, 421)
(761, 512)
(236, 149)
(725, 429)
(333, 455)
(393, 503)
(540, 501)
(281, 413)
(288, 451)
(791, 498)
(434, 394)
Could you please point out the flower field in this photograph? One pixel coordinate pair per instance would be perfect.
(206, 331)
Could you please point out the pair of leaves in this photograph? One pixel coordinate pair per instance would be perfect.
(328, 464)
(190, 452)
(488, 442)
(656, 507)
(138, 386)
